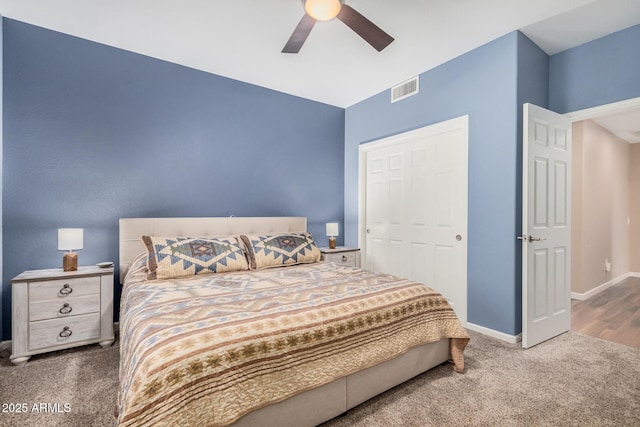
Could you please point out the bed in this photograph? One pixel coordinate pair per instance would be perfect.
(257, 344)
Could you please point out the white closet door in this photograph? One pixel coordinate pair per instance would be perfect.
(415, 208)
(385, 193)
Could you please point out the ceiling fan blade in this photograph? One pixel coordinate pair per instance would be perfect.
(299, 35)
(366, 29)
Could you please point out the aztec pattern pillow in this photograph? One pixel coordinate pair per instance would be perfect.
(172, 257)
(280, 249)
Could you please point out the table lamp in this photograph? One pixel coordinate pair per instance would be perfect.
(332, 231)
(70, 239)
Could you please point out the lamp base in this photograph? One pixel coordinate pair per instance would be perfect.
(332, 242)
(70, 261)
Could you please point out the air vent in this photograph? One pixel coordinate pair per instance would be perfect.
(636, 133)
(405, 89)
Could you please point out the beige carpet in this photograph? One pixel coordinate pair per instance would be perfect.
(571, 380)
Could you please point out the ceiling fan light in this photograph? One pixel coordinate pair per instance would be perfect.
(322, 10)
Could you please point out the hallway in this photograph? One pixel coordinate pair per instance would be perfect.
(613, 314)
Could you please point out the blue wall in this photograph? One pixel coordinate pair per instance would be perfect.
(482, 84)
(490, 84)
(597, 73)
(94, 133)
(533, 84)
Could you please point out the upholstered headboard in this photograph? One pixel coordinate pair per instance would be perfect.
(131, 229)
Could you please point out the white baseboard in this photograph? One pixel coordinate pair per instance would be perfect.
(513, 339)
(600, 288)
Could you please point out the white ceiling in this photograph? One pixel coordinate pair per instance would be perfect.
(242, 39)
(625, 125)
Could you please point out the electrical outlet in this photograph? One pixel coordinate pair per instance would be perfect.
(607, 265)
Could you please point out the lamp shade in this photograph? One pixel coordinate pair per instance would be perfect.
(332, 229)
(70, 239)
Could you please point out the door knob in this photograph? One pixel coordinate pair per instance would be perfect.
(530, 238)
(368, 230)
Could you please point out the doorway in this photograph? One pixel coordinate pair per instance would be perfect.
(605, 262)
(549, 298)
(603, 207)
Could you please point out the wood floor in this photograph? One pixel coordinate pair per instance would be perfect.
(613, 314)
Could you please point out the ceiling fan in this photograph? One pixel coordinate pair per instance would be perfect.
(325, 10)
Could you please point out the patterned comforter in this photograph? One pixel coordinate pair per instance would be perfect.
(209, 349)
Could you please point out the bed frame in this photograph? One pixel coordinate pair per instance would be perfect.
(315, 406)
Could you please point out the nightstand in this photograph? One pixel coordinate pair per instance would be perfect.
(55, 309)
(341, 255)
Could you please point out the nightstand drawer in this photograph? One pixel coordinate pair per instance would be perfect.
(344, 258)
(63, 288)
(64, 307)
(56, 332)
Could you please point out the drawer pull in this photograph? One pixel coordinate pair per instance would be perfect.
(66, 290)
(66, 309)
(65, 332)
(344, 258)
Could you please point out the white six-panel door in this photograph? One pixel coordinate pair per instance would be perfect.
(414, 206)
(546, 220)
